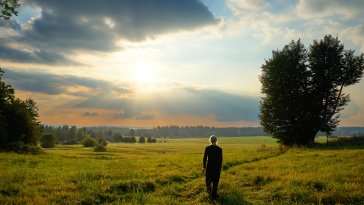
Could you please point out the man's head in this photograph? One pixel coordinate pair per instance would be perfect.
(213, 139)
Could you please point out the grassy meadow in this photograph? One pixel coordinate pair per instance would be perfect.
(255, 171)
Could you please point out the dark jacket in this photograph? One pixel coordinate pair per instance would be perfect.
(213, 157)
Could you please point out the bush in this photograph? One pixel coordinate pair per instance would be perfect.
(141, 139)
(89, 142)
(20, 147)
(70, 142)
(151, 140)
(48, 141)
(100, 148)
(104, 143)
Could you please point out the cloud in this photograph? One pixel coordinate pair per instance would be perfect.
(64, 27)
(90, 114)
(144, 117)
(350, 110)
(99, 94)
(238, 5)
(312, 9)
(53, 84)
(223, 105)
(355, 34)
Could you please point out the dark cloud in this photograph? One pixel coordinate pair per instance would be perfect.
(58, 84)
(37, 56)
(90, 114)
(225, 106)
(199, 102)
(144, 117)
(93, 25)
(106, 95)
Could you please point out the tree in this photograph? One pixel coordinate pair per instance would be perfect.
(8, 8)
(72, 135)
(141, 139)
(89, 142)
(100, 136)
(151, 140)
(81, 133)
(304, 89)
(117, 137)
(132, 133)
(48, 141)
(18, 118)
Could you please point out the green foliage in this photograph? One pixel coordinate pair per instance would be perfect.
(48, 141)
(132, 133)
(20, 147)
(304, 89)
(104, 143)
(117, 137)
(70, 142)
(100, 148)
(73, 133)
(131, 139)
(141, 139)
(89, 142)
(151, 140)
(66, 134)
(7, 8)
(18, 118)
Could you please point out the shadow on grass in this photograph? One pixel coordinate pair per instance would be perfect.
(342, 143)
(235, 198)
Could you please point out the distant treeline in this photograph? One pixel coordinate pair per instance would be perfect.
(204, 131)
(126, 134)
(348, 131)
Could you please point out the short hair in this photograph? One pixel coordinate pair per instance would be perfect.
(213, 139)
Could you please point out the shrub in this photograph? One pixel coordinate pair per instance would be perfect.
(70, 142)
(89, 142)
(151, 140)
(20, 147)
(117, 137)
(104, 143)
(100, 148)
(48, 141)
(141, 139)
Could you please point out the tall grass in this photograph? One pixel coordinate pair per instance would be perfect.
(255, 171)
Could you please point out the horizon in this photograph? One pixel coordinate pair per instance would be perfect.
(185, 63)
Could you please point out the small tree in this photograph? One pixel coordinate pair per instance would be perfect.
(132, 132)
(141, 139)
(151, 140)
(89, 142)
(48, 141)
(100, 136)
(117, 137)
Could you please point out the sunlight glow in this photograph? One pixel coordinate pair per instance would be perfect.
(144, 75)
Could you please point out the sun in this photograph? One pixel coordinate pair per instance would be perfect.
(144, 76)
(143, 72)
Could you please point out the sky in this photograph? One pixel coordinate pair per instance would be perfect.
(163, 62)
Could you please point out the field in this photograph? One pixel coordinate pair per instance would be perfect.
(255, 171)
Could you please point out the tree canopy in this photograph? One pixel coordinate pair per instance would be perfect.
(18, 118)
(303, 89)
(8, 7)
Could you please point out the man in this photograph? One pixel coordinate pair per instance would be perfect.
(213, 157)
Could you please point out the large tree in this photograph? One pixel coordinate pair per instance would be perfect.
(303, 89)
(18, 118)
(8, 8)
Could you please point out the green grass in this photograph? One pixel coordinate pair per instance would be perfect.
(255, 171)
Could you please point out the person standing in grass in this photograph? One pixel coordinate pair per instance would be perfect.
(212, 161)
